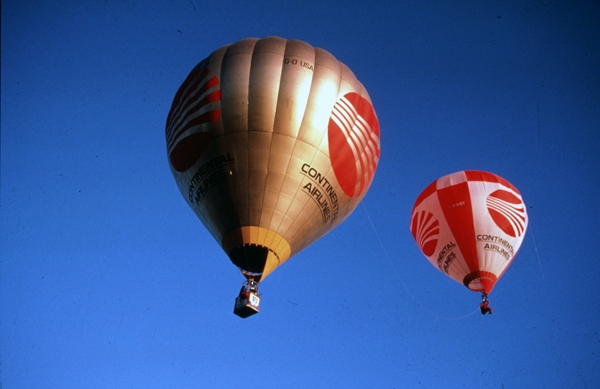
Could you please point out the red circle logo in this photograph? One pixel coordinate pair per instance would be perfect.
(197, 102)
(353, 134)
(425, 229)
(507, 211)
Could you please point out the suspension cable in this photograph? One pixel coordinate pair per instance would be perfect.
(402, 281)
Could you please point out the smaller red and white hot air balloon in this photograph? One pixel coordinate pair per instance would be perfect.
(470, 225)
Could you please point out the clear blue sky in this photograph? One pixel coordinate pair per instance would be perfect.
(108, 280)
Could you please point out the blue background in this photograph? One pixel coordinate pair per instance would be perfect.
(108, 280)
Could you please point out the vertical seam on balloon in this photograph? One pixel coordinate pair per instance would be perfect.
(296, 140)
(245, 133)
(268, 224)
(279, 191)
(234, 196)
(472, 247)
(296, 192)
(270, 132)
(317, 150)
(221, 218)
(249, 146)
(464, 247)
(247, 191)
(293, 148)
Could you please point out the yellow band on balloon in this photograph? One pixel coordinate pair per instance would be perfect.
(279, 248)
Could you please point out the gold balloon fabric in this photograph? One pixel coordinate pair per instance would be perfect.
(272, 143)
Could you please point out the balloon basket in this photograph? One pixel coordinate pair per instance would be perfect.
(247, 305)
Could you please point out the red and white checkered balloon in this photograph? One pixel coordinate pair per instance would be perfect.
(470, 225)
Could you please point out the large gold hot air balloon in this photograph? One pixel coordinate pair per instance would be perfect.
(272, 143)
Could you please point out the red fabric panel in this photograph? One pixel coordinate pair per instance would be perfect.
(425, 194)
(478, 175)
(455, 201)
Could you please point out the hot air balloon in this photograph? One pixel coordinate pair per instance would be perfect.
(272, 143)
(470, 225)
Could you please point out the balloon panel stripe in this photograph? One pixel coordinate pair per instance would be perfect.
(359, 136)
(185, 88)
(360, 163)
(344, 115)
(371, 147)
(425, 229)
(186, 92)
(210, 116)
(200, 99)
(345, 126)
(512, 213)
(200, 108)
(184, 102)
(354, 142)
(177, 109)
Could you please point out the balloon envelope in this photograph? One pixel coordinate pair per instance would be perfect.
(272, 143)
(470, 225)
